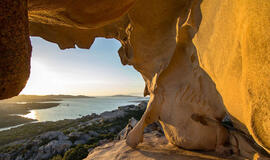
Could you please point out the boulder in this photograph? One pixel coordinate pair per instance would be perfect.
(92, 133)
(53, 148)
(123, 134)
(111, 115)
(53, 135)
(75, 134)
(80, 141)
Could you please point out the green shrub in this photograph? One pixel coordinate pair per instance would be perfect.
(72, 139)
(57, 157)
(66, 132)
(78, 153)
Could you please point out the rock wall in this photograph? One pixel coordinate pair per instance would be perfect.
(15, 47)
(233, 44)
(190, 54)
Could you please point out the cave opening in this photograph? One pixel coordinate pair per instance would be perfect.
(93, 72)
(85, 81)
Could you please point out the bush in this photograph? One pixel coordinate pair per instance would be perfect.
(58, 157)
(78, 153)
(72, 139)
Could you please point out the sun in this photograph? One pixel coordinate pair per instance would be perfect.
(41, 81)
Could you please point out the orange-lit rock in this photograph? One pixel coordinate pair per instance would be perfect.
(199, 59)
(153, 148)
(233, 44)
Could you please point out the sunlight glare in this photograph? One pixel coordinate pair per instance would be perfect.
(76, 72)
(31, 115)
(42, 80)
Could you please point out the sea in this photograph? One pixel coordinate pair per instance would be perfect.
(72, 108)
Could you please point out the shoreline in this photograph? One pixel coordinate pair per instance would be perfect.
(38, 140)
(11, 113)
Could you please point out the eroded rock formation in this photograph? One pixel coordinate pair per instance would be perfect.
(190, 54)
(15, 47)
(233, 46)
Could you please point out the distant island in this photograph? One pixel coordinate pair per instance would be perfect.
(121, 95)
(41, 98)
(68, 96)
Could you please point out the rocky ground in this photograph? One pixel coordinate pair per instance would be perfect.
(77, 140)
(154, 147)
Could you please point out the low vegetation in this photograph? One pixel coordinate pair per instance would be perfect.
(104, 131)
(77, 153)
(33, 129)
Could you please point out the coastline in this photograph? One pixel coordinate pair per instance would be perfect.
(37, 140)
(16, 111)
(10, 113)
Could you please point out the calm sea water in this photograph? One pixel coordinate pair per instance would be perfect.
(72, 108)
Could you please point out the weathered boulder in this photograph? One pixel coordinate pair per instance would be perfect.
(53, 135)
(233, 43)
(183, 97)
(52, 148)
(111, 115)
(75, 134)
(123, 134)
(92, 133)
(199, 59)
(15, 47)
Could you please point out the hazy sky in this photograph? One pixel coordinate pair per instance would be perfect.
(94, 72)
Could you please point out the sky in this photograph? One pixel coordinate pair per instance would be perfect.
(93, 72)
